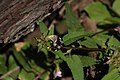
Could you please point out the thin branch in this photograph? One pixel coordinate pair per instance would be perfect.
(9, 73)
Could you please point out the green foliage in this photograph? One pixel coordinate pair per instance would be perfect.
(43, 28)
(113, 20)
(19, 56)
(12, 65)
(74, 36)
(25, 75)
(75, 66)
(46, 59)
(72, 22)
(116, 6)
(114, 75)
(97, 11)
(113, 42)
(60, 54)
(3, 68)
(88, 61)
(89, 42)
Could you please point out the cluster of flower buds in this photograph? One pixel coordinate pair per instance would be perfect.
(56, 41)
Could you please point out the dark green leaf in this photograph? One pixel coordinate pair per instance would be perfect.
(114, 74)
(88, 61)
(70, 38)
(3, 68)
(21, 59)
(72, 22)
(76, 67)
(90, 42)
(12, 65)
(25, 75)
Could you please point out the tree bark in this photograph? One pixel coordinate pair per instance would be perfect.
(18, 16)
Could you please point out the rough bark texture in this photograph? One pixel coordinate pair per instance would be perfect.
(18, 16)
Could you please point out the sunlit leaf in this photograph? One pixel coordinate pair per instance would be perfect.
(97, 11)
(116, 6)
(114, 42)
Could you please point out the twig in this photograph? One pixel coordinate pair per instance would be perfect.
(41, 74)
(9, 73)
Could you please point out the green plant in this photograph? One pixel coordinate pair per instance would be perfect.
(53, 50)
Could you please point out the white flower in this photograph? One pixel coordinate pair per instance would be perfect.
(117, 29)
(58, 74)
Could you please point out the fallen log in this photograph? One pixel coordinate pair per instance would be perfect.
(18, 16)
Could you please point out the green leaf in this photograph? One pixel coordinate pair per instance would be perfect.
(72, 22)
(44, 49)
(26, 75)
(2, 60)
(11, 62)
(97, 11)
(3, 68)
(113, 20)
(114, 42)
(101, 39)
(26, 46)
(12, 65)
(70, 38)
(21, 59)
(8, 78)
(118, 78)
(51, 30)
(12, 73)
(114, 74)
(90, 42)
(43, 28)
(76, 67)
(116, 6)
(38, 69)
(88, 61)
(60, 54)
